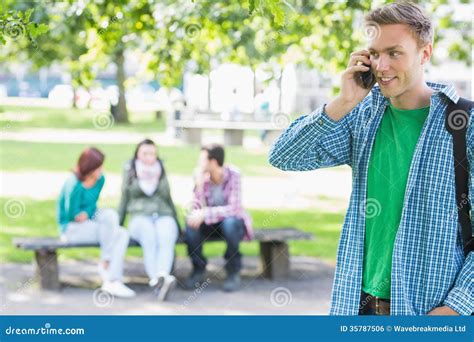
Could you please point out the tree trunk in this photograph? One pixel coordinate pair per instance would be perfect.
(122, 114)
(88, 106)
(280, 95)
(209, 104)
(254, 72)
(74, 97)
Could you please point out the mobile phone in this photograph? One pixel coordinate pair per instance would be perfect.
(365, 79)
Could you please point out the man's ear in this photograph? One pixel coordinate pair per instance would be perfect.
(426, 52)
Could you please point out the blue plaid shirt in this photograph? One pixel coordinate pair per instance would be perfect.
(428, 264)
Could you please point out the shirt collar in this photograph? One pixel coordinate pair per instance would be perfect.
(447, 90)
(207, 179)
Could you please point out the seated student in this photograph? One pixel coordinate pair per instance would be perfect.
(146, 197)
(217, 212)
(81, 221)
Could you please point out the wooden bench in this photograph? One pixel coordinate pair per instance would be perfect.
(274, 253)
(233, 130)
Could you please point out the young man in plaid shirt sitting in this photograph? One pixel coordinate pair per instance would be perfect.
(217, 212)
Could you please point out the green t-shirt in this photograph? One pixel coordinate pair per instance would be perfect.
(389, 164)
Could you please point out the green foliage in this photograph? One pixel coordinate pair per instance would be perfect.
(17, 24)
(275, 8)
(20, 156)
(171, 36)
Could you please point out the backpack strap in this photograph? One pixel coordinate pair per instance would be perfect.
(456, 122)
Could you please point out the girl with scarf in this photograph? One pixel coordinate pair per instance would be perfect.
(153, 222)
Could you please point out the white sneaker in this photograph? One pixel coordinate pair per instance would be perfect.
(156, 282)
(168, 284)
(118, 289)
(153, 282)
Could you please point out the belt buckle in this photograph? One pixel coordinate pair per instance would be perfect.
(377, 305)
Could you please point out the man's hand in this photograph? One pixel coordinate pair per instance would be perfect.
(443, 311)
(81, 217)
(196, 218)
(351, 92)
(200, 176)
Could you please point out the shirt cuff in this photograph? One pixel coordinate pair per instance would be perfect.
(459, 301)
(322, 120)
(208, 216)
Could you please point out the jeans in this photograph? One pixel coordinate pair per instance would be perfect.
(231, 229)
(157, 236)
(104, 229)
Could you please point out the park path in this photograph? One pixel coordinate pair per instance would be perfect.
(326, 190)
(88, 136)
(107, 136)
(306, 292)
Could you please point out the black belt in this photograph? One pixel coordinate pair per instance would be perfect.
(375, 304)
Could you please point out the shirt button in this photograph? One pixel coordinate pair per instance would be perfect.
(320, 121)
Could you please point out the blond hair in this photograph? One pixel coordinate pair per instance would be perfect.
(407, 13)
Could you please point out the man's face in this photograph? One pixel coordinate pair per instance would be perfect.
(396, 59)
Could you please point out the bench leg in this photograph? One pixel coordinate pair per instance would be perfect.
(192, 135)
(47, 269)
(233, 137)
(275, 259)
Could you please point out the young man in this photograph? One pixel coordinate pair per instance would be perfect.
(406, 256)
(217, 212)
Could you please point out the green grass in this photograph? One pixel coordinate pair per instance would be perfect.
(22, 117)
(38, 219)
(28, 156)
(25, 156)
(18, 118)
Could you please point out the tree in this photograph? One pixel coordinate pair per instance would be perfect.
(16, 24)
(318, 34)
